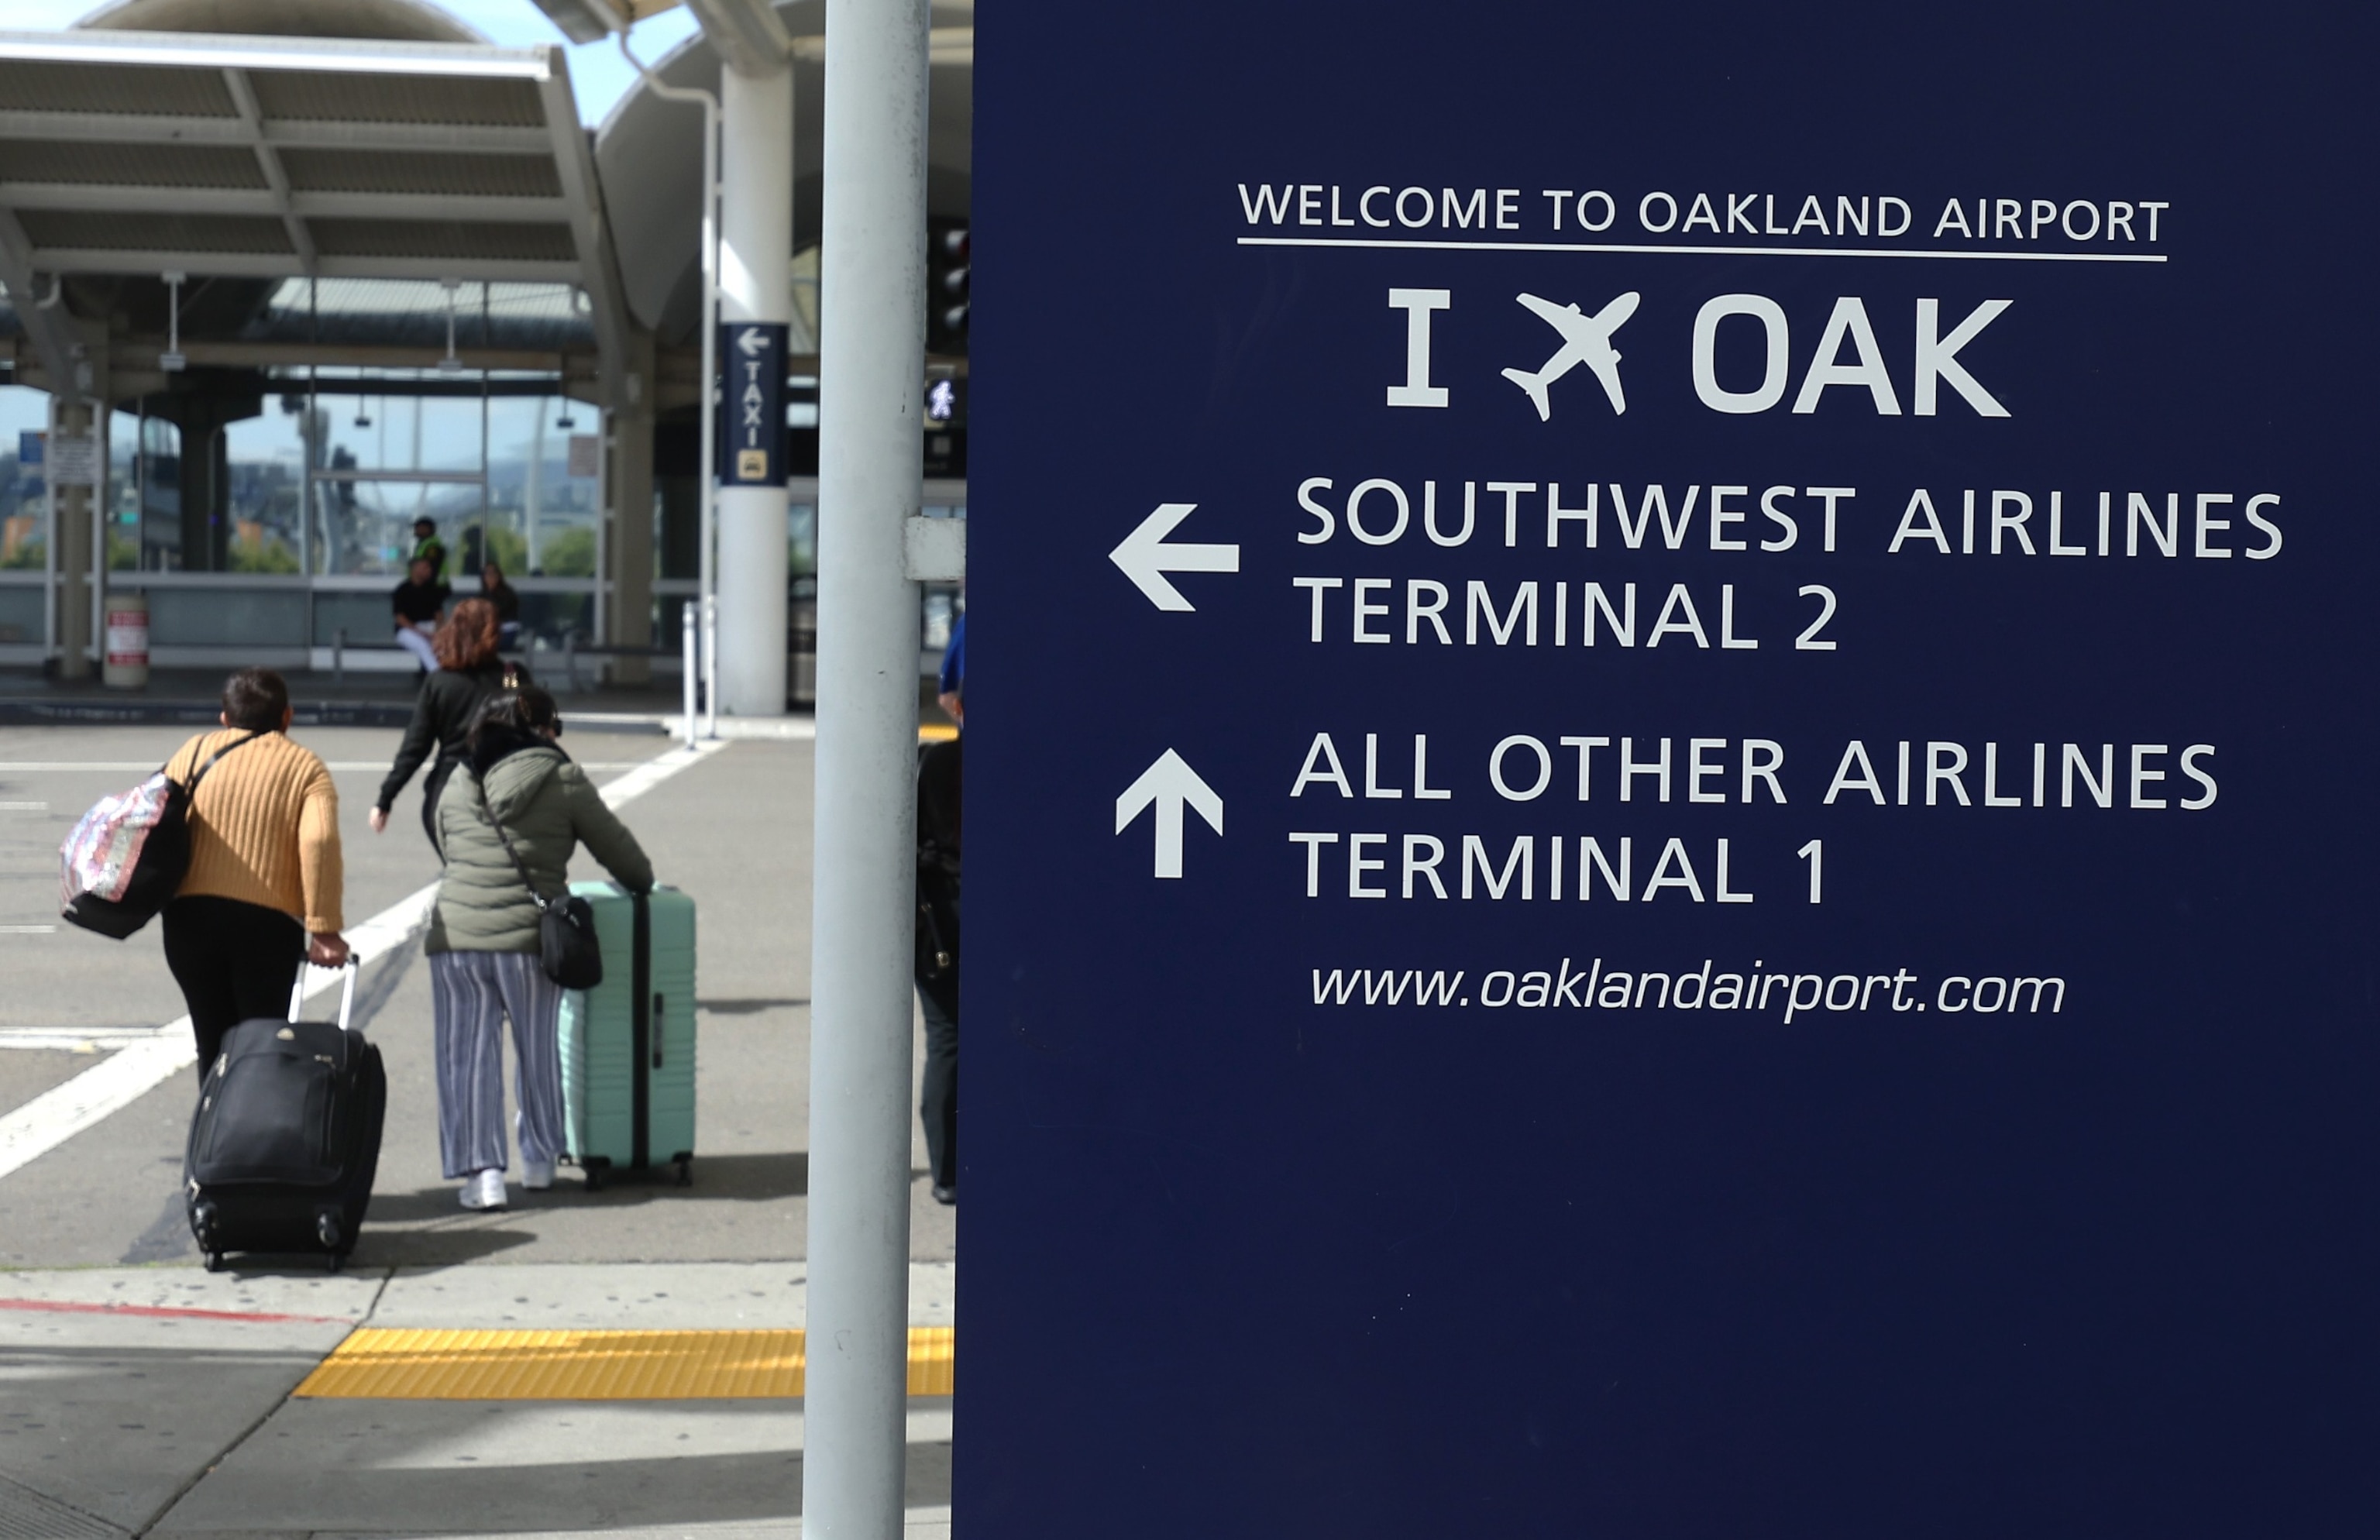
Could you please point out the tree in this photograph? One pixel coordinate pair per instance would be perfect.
(571, 554)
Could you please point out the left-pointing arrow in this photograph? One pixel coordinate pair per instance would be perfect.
(753, 341)
(1145, 556)
(1169, 785)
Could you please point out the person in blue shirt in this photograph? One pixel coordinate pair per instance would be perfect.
(950, 688)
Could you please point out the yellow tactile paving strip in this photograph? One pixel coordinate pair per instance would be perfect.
(386, 1364)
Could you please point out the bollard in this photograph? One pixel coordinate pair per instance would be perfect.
(710, 666)
(685, 617)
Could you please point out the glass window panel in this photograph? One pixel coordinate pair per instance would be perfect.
(158, 472)
(366, 618)
(551, 615)
(121, 499)
(361, 431)
(940, 614)
(267, 467)
(367, 527)
(219, 617)
(541, 518)
(801, 530)
(24, 496)
(24, 614)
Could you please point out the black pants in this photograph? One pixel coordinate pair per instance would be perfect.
(939, 1101)
(234, 960)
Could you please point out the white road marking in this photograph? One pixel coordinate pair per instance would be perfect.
(70, 1040)
(24, 806)
(26, 930)
(148, 1060)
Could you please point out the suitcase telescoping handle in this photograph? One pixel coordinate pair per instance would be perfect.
(353, 967)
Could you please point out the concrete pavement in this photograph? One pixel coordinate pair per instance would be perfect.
(169, 1410)
(734, 831)
(157, 1402)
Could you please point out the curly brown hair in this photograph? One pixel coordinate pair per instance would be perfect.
(467, 637)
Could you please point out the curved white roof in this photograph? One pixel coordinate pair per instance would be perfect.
(387, 20)
(648, 153)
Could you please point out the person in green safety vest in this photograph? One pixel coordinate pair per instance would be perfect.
(428, 547)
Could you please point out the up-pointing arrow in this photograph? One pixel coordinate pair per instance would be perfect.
(1145, 557)
(1170, 785)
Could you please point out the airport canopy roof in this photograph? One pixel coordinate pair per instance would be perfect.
(231, 156)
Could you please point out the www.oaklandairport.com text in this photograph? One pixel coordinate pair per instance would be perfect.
(1771, 993)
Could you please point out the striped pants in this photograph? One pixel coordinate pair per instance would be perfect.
(472, 993)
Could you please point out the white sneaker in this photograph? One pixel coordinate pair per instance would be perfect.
(536, 1175)
(485, 1190)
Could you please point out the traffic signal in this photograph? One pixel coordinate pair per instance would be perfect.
(946, 290)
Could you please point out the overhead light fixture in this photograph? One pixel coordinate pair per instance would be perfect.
(171, 360)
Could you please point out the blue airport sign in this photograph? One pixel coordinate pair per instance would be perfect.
(1668, 832)
(752, 403)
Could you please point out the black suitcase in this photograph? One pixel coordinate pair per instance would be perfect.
(286, 1138)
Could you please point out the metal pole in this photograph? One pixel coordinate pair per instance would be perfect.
(706, 475)
(685, 652)
(103, 447)
(872, 282)
(53, 526)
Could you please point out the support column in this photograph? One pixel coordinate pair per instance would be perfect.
(74, 528)
(201, 413)
(756, 283)
(873, 284)
(630, 480)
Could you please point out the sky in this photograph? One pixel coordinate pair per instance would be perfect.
(599, 76)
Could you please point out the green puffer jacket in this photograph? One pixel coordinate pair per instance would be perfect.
(548, 807)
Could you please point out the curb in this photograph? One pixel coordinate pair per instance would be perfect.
(72, 712)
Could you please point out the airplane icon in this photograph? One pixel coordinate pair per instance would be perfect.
(1586, 339)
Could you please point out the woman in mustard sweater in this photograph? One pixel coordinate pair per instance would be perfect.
(262, 893)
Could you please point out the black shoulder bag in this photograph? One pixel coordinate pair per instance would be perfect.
(566, 925)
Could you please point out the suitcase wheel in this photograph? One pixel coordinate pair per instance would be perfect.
(686, 1173)
(215, 1261)
(326, 1230)
(337, 1261)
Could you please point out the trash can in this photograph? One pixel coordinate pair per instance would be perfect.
(127, 666)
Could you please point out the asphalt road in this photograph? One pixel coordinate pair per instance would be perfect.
(733, 831)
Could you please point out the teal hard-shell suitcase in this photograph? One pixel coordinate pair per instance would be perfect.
(627, 1045)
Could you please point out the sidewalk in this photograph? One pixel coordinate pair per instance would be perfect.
(160, 1402)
